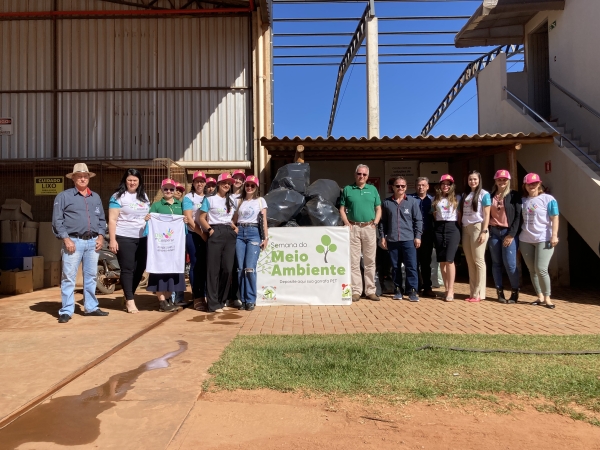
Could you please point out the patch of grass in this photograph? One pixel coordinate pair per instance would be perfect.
(386, 366)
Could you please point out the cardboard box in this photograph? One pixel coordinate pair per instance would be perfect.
(52, 273)
(12, 231)
(16, 209)
(30, 232)
(36, 265)
(48, 245)
(14, 283)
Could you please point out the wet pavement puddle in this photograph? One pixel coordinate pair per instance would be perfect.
(73, 420)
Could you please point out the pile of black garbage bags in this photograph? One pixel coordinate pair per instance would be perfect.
(294, 202)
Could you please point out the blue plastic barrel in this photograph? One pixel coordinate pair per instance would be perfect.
(11, 255)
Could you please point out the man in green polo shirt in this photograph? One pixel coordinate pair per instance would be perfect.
(361, 211)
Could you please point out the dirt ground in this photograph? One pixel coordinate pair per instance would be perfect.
(271, 420)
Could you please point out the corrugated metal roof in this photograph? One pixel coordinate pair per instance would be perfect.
(502, 22)
(429, 147)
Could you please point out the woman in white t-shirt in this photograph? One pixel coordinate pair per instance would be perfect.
(237, 191)
(475, 209)
(539, 235)
(127, 209)
(249, 244)
(196, 243)
(217, 217)
(446, 232)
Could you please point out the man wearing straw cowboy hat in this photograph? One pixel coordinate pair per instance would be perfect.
(78, 219)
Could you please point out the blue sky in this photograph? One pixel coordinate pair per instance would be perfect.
(409, 94)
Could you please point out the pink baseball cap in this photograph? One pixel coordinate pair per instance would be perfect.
(180, 187)
(447, 177)
(252, 179)
(502, 174)
(211, 180)
(168, 182)
(225, 177)
(532, 178)
(198, 174)
(239, 172)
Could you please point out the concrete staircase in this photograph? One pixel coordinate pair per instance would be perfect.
(562, 129)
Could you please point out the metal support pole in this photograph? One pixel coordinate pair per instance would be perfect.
(372, 75)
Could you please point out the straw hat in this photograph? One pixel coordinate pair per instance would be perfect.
(80, 168)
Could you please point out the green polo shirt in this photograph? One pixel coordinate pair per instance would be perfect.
(162, 207)
(360, 203)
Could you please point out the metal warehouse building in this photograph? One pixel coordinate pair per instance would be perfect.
(168, 86)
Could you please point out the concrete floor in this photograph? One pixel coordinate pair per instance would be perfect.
(142, 395)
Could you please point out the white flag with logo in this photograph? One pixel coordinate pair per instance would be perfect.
(166, 244)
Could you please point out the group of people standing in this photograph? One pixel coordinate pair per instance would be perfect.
(410, 226)
(222, 219)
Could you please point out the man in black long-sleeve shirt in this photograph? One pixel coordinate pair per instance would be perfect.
(78, 220)
(400, 229)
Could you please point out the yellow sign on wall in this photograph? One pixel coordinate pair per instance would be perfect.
(48, 185)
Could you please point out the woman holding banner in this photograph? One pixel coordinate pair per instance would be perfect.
(165, 283)
(249, 242)
(196, 243)
(217, 217)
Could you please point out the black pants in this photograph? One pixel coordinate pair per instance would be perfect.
(220, 253)
(132, 260)
(424, 260)
(446, 239)
(199, 276)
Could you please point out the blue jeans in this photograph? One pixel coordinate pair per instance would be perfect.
(404, 252)
(503, 257)
(247, 249)
(85, 252)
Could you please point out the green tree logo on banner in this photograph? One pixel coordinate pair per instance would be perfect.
(326, 247)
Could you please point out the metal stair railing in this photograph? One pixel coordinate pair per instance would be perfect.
(580, 103)
(470, 71)
(561, 136)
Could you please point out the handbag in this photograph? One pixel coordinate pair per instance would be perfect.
(261, 226)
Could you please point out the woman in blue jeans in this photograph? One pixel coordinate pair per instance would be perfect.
(505, 221)
(249, 243)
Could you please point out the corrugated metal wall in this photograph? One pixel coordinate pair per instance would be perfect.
(209, 121)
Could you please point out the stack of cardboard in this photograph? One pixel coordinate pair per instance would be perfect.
(14, 283)
(17, 222)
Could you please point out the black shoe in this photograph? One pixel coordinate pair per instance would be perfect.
(235, 304)
(514, 297)
(250, 306)
(97, 312)
(167, 306)
(501, 297)
(428, 293)
(64, 318)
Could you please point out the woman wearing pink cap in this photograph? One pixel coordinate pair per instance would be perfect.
(505, 222)
(196, 243)
(249, 242)
(210, 188)
(446, 231)
(475, 212)
(217, 217)
(237, 191)
(166, 283)
(539, 235)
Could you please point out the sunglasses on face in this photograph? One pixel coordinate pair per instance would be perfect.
(251, 186)
(400, 186)
(168, 190)
(361, 174)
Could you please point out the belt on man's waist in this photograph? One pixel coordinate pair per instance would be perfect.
(85, 236)
(246, 225)
(361, 224)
